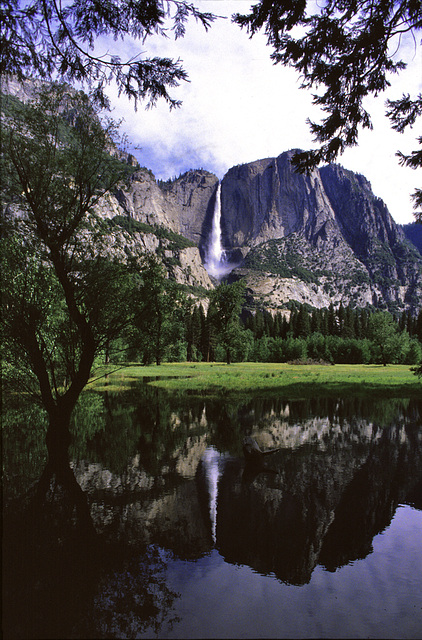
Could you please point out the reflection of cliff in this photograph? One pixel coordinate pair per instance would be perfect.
(324, 506)
(392, 470)
(339, 479)
(140, 508)
(277, 523)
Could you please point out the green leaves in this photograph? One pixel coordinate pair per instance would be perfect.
(65, 297)
(342, 49)
(58, 158)
(227, 301)
(42, 39)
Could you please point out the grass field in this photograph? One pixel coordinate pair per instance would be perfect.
(296, 380)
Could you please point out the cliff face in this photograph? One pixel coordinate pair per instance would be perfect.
(179, 207)
(316, 238)
(266, 199)
(184, 206)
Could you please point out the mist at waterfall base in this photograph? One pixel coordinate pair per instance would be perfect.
(216, 262)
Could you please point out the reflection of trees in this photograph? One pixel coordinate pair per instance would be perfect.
(228, 419)
(54, 555)
(23, 444)
(105, 430)
(140, 465)
(132, 599)
(112, 427)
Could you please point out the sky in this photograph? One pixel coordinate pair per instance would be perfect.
(238, 107)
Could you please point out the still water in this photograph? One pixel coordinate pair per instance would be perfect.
(322, 540)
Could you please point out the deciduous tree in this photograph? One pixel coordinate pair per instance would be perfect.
(227, 300)
(63, 297)
(383, 331)
(159, 302)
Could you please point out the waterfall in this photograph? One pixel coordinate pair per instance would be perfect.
(215, 262)
(211, 461)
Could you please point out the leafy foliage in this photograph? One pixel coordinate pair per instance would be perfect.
(160, 312)
(343, 50)
(227, 300)
(64, 300)
(46, 39)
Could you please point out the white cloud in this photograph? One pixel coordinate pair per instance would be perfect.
(239, 107)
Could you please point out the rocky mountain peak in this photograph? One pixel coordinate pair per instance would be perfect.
(318, 238)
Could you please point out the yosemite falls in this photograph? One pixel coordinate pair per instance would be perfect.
(215, 259)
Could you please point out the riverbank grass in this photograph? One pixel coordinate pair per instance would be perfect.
(297, 380)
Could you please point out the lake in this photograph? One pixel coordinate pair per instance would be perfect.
(323, 539)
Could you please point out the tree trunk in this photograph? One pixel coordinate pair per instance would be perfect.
(59, 473)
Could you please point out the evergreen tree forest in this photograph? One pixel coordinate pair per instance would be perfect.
(342, 335)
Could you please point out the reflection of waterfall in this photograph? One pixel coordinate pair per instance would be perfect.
(215, 261)
(211, 461)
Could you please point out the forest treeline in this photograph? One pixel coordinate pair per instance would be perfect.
(228, 332)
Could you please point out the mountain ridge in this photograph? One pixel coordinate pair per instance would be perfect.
(319, 238)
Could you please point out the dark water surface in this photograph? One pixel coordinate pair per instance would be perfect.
(323, 540)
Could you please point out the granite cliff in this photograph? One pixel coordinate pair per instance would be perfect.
(318, 238)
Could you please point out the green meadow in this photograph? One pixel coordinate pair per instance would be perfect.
(294, 380)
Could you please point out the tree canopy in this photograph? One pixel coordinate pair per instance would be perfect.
(227, 300)
(62, 41)
(346, 51)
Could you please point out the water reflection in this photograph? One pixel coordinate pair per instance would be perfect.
(211, 462)
(162, 473)
(131, 600)
(324, 506)
(341, 470)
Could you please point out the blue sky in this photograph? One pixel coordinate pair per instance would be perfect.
(239, 107)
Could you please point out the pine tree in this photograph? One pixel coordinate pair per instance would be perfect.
(403, 321)
(278, 325)
(331, 320)
(303, 323)
(340, 319)
(55, 40)
(346, 51)
(285, 327)
(293, 323)
(349, 323)
(259, 324)
(324, 322)
(418, 330)
(268, 324)
(316, 321)
(409, 323)
(196, 330)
